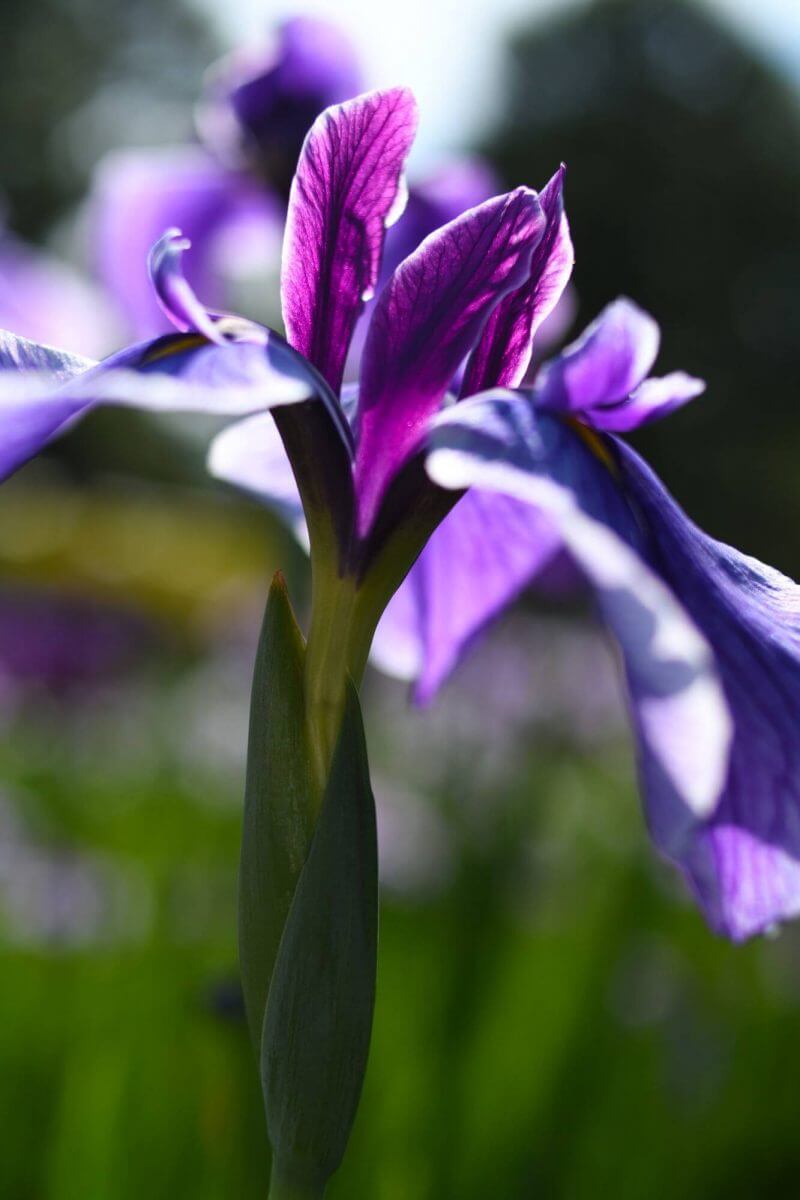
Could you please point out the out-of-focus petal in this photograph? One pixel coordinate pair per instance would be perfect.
(485, 552)
(138, 194)
(397, 647)
(498, 441)
(33, 406)
(744, 862)
(260, 101)
(606, 364)
(652, 400)
(45, 300)
(19, 354)
(344, 194)
(503, 353)
(250, 455)
(426, 320)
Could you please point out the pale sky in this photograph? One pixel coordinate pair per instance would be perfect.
(451, 51)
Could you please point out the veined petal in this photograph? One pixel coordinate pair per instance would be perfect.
(345, 192)
(606, 364)
(426, 320)
(456, 186)
(744, 862)
(498, 441)
(652, 400)
(478, 561)
(503, 353)
(136, 195)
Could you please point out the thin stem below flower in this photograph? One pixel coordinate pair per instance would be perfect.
(332, 604)
(285, 1186)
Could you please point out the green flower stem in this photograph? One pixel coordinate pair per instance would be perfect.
(285, 1186)
(332, 604)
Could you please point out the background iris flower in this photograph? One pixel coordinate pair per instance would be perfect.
(228, 192)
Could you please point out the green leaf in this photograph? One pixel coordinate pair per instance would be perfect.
(279, 801)
(319, 1012)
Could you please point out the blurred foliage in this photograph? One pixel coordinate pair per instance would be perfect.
(182, 556)
(550, 1020)
(683, 191)
(78, 77)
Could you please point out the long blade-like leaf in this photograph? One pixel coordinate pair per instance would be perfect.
(319, 1012)
(278, 807)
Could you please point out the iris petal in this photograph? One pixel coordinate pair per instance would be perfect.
(345, 190)
(426, 321)
(498, 441)
(43, 390)
(259, 101)
(172, 290)
(503, 353)
(250, 455)
(745, 861)
(607, 362)
(478, 561)
(652, 400)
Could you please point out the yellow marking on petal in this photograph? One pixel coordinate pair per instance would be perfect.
(189, 342)
(596, 444)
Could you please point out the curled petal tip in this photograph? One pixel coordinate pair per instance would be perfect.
(173, 291)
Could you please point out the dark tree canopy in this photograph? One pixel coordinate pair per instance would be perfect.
(683, 150)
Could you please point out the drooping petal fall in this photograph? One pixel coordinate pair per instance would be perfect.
(426, 321)
(42, 391)
(250, 455)
(347, 188)
(744, 861)
(679, 710)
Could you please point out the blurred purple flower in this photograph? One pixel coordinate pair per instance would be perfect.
(43, 299)
(228, 193)
(64, 643)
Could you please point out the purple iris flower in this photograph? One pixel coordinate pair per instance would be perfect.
(481, 493)
(466, 495)
(228, 192)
